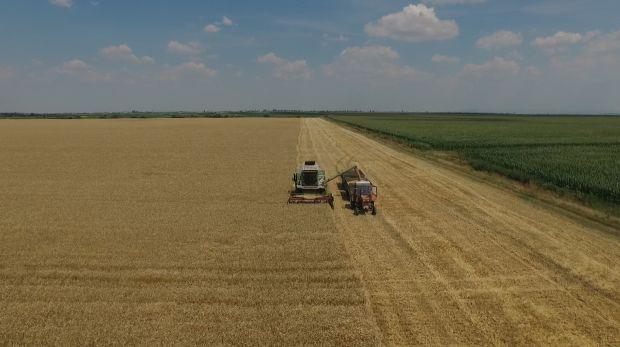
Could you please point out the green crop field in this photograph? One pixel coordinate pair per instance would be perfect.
(579, 154)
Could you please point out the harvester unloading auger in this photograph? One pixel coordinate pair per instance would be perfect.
(311, 188)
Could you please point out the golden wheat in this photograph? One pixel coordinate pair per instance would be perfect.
(167, 231)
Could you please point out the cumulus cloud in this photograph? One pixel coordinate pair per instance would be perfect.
(453, 2)
(125, 53)
(500, 39)
(495, 67)
(285, 69)
(148, 60)
(227, 21)
(599, 52)
(370, 61)
(62, 3)
(561, 39)
(189, 69)
(439, 58)
(599, 43)
(72, 66)
(217, 26)
(369, 53)
(413, 24)
(184, 48)
(211, 28)
(79, 68)
(270, 58)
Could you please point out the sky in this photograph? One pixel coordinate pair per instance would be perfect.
(546, 56)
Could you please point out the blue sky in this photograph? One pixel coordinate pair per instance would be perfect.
(430, 55)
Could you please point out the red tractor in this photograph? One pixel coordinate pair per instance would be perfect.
(361, 192)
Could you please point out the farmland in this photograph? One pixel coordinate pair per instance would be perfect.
(176, 231)
(574, 154)
(166, 231)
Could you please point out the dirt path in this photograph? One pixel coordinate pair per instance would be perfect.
(450, 260)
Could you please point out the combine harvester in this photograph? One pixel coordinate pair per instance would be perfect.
(311, 188)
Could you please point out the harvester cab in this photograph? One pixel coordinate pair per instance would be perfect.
(309, 177)
(310, 186)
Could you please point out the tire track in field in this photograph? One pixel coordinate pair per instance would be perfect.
(450, 260)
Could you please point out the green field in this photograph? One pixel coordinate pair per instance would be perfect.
(578, 154)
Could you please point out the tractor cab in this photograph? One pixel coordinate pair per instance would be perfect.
(364, 188)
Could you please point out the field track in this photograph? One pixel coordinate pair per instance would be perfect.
(450, 260)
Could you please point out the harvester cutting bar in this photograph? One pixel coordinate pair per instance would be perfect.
(305, 199)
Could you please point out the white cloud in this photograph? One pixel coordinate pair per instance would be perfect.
(453, 2)
(500, 39)
(294, 69)
(370, 62)
(285, 69)
(217, 26)
(600, 52)
(72, 66)
(495, 67)
(77, 67)
(189, 69)
(368, 53)
(439, 58)
(184, 48)
(413, 24)
(148, 60)
(125, 53)
(62, 3)
(211, 28)
(270, 58)
(598, 43)
(227, 21)
(560, 39)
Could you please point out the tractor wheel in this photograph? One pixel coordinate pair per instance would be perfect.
(374, 209)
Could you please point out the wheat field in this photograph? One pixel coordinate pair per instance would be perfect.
(167, 231)
(177, 231)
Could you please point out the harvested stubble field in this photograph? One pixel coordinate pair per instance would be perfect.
(176, 231)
